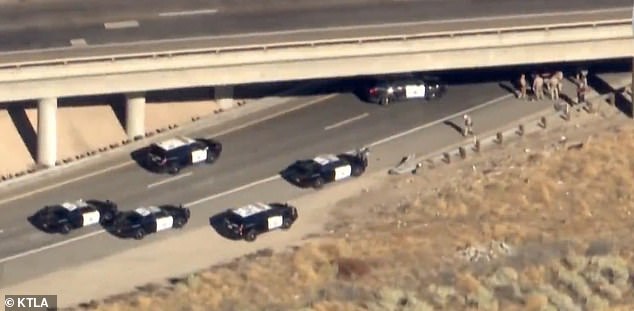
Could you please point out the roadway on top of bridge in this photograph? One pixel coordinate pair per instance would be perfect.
(118, 27)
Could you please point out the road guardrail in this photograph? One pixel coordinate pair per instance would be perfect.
(313, 43)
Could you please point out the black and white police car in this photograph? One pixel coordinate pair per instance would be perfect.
(249, 221)
(388, 90)
(174, 154)
(67, 216)
(146, 220)
(327, 168)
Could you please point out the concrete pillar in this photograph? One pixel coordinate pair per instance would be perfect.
(47, 131)
(135, 115)
(632, 87)
(224, 96)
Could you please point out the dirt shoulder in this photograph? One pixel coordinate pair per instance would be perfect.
(537, 225)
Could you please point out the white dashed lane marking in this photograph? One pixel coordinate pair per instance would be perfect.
(346, 121)
(121, 25)
(78, 42)
(188, 13)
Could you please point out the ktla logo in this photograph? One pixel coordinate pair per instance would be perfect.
(26, 302)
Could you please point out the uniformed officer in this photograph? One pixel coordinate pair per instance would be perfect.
(538, 87)
(523, 86)
(581, 91)
(468, 126)
(553, 88)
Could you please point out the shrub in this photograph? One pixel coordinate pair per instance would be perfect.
(536, 302)
(390, 299)
(574, 282)
(575, 262)
(441, 295)
(351, 268)
(558, 299)
(596, 303)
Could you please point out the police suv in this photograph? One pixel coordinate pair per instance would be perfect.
(176, 153)
(388, 90)
(327, 168)
(67, 216)
(146, 220)
(247, 222)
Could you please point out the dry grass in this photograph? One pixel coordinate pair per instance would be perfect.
(544, 230)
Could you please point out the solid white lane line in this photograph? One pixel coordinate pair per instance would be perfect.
(130, 162)
(121, 25)
(234, 190)
(255, 183)
(430, 124)
(166, 180)
(188, 13)
(346, 121)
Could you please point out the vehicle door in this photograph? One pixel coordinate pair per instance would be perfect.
(163, 221)
(415, 89)
(198, 152)
(274, 220)
(90, 216)
(342, 170)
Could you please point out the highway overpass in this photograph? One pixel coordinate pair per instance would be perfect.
(338, 48)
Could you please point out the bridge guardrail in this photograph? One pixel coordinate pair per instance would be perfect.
(323, 42)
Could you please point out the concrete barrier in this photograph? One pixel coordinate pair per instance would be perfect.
(525, 32)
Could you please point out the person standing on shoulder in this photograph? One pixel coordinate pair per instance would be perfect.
(581, 92)
(538, 87)
(468, 126)
(523, 86)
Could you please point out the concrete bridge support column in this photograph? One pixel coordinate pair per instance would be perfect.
(47, 131)
(135, 115)
(632, 90)
(224, 96)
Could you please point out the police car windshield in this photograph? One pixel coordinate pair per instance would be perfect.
(306, 166)
(233, 218)
(157, 151)
(128, 218)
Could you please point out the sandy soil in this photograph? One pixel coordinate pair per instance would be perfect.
(537, 225)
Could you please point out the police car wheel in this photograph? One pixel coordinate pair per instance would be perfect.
(64, 229)
(179, 223)
(318, 183)
(174, 169)
(384, 101)
(251, 236)
(357, 170)
(139, 234)
(211, 158)
(286, 224)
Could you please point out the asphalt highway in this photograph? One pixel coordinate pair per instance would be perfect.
(333, 123)
(199, 23)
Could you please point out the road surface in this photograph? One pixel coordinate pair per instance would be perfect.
(253, 155)
(111, 27)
